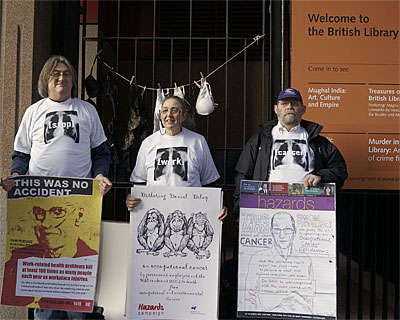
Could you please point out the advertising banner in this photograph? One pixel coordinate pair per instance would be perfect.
(175, 239)
(287, 251)
(53, 227)
(345, 60)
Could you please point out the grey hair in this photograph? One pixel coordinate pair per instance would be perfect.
(48, 68)
(179, 100)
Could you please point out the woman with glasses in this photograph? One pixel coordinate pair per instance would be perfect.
(174, 156)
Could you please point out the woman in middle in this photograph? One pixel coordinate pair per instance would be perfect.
(174, 156)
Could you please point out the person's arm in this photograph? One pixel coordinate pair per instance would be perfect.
(100, 160)
(333, 167)
(19, 162)
(20, 157)
(131, 202)
(105, 184)
(138, 177)
(100, 165)
(223, 213)
(311, 180)
(7, 183)
(19, 166)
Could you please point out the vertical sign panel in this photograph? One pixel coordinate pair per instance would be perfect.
(345, 61)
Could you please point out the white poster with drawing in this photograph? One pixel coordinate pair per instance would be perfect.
(287, 251)
(175, 248)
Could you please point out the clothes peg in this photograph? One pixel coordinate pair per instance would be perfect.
(258, 37)
(159, 86)
(130, 82)
(176, 87)
(202, 75)
(197, 84)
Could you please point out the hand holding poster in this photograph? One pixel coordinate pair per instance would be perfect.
(53, 227)
(175, 240)
(287, 251)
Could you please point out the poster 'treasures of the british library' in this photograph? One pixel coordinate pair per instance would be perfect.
(53, 228)
(287, 251)
(175, 241)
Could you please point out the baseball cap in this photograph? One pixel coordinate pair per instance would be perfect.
(290, 93)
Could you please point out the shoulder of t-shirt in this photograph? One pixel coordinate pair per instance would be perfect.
(192, 134)
(154, 137)
(31, 110)
(36, 105)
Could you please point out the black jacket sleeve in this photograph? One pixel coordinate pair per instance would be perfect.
(333, 167)
(20, 162)
(100, 160)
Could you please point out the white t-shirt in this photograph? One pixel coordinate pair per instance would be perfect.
(183, 160)
(291, 157)
(59, 137)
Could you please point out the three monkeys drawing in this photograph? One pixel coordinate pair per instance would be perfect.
(176, 234)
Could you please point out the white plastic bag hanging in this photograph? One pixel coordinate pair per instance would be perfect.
(179, 92)
(157, 109)
(205, 102)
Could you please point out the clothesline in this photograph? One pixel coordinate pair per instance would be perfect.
(130, 81)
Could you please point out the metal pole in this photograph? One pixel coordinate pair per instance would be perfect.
(83, 65)
(276, 66)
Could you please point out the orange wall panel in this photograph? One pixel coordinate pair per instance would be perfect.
(345, 61)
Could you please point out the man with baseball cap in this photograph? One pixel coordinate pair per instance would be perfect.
(289, 149)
